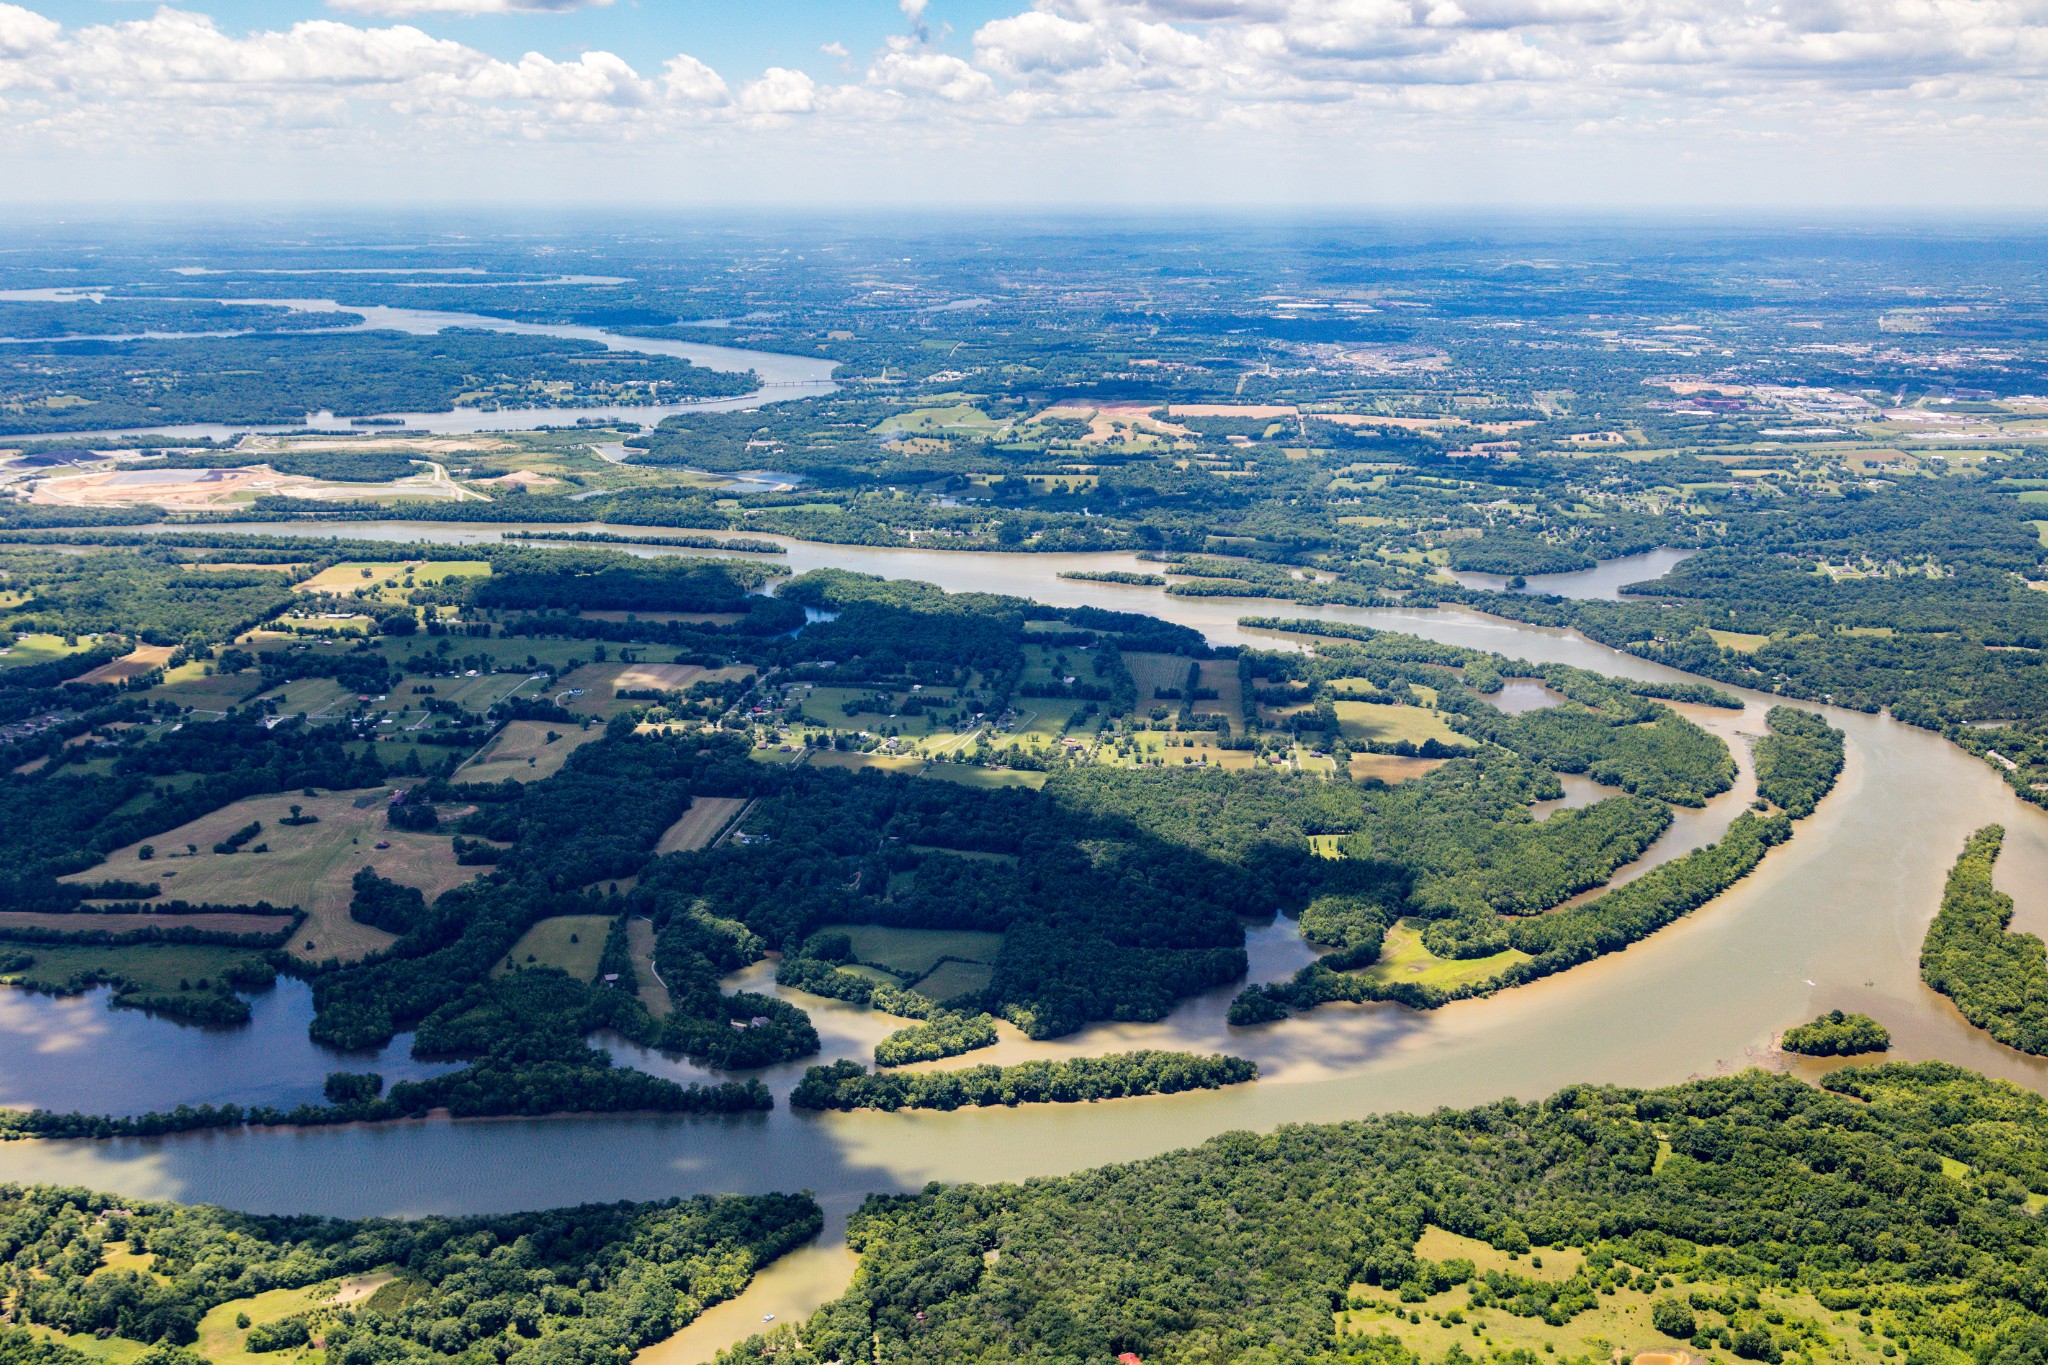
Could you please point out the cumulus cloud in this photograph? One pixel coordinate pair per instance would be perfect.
(1372, 67)
(405, 9)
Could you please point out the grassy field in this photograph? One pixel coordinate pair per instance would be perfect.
(138, 661)
(1220, 676)
(1153, 671)
(191, 686)
(1738, 641)
(1387, 724)
(914, 952)
(1403, 958)
(968, 775)
(222, 1342)
(1392, 768)
(381, 576)
(166, 968)
(1172, 749)
(122, 924)
(524, 751)
(309, 866)
(654, 995)
(949, 979)
(40, 649)
(1618, 1330)
(706, 818)
(572, 942)
(958, 419)
(888, 763)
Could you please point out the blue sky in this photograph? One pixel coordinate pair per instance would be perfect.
(1381, 103)
(740, 35)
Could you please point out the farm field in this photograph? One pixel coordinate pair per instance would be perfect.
(950, 979)
(527, 751)
(138, 661)
(1220, 676)
(573, 943)
(706, 818)
(158, 968)
(309, 866)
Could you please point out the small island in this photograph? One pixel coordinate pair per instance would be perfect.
(1836, 1034)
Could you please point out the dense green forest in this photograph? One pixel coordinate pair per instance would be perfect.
(1790, 1222)
(1836, 1034)
(94, 385)
(1120, 1075)
(573, 1286)
(1998, 978)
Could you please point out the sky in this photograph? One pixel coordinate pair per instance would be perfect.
(1931, 105)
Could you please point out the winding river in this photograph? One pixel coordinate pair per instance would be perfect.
(783, 377)
(1832, 920)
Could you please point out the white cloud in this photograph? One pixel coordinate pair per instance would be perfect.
(780, 91)
(1300, 73)
(405, 9)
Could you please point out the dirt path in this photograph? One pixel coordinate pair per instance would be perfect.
(653, 994)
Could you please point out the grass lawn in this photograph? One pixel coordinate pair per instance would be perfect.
(1388, 724)
(969, 775)
(1403, 958)
(572, 942)
(913, 952)
(524, 751)
(309, 866)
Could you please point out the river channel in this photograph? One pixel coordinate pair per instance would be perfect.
(783, 377)
(1832, 920)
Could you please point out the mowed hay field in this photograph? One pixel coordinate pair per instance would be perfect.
(309, 866)
(1381, 723)
(706, 818)
(523, 752)
(602, 683)
(573, 943)
(142, 659)
(988, 779)
(1220, 676)
(1392, 768)
(1154, 671)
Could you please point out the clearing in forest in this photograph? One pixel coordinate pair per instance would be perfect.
(704, 821)
(573, 943)
(1403, 958)
(640, 940)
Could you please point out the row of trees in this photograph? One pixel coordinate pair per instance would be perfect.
(849, 1085)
